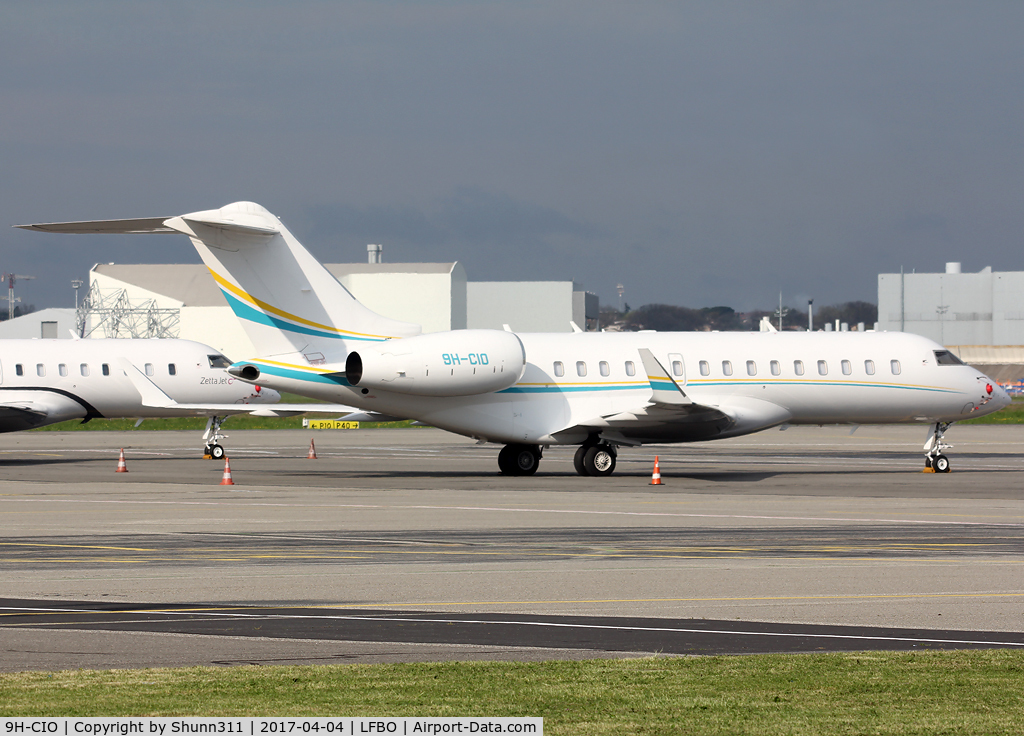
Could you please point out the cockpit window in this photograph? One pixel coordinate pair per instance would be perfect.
(944, 357)
(219, 361)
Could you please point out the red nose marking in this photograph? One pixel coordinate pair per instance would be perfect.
(988, 387)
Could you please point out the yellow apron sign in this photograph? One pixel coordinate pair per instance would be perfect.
(328, 424)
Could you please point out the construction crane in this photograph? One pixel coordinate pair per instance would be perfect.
(10, 278)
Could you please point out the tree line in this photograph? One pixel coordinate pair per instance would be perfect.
(670, 318)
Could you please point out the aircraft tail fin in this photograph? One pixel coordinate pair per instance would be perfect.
(285, 299)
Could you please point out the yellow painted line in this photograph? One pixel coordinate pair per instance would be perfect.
(736, 599)
(74, 546)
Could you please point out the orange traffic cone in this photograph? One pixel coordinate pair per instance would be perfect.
(226, 480)
(312, 451)
(656, 475)
(121, 466)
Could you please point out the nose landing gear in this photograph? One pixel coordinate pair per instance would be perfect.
(934, 460)
(212, 437)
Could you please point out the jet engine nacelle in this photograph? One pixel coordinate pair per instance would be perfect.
(457, 363)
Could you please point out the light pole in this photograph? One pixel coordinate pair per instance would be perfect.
(810, 315)
(76, 284)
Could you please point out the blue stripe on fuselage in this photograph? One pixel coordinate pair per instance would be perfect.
(247, 312)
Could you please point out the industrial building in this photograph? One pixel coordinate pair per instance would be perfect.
(980, 316)
(52, 322)
(530, 306)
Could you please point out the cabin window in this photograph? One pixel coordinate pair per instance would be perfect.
(847, 367)
(559, 369)
(776, 368)
(62, 369)
(581, 368)
(822, 368)
(727, 367)
(944, 357)
(798, 367)
(605, 369)
(219, 361)
(40, 369)
(677, 367)
(630, 368)
(84, 369)
(869, 367)
(105, 369)
(149, 369)
(19, 370)
(171, 369)
(751, 368)
(894, 366)
(705, 369)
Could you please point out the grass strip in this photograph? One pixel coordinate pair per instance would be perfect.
(1013, 414)
(960, 692)
(240, 421)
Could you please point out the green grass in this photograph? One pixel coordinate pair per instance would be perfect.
(1013, 414)
(241, 421)
(965, 692)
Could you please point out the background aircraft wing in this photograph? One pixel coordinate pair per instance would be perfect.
(27, 409)
(153, 397)
(294, 410)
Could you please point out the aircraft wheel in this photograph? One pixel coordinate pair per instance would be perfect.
(941, 464)
(599, 460)
(578, 460)
(527, 459)
(519, 459)
(216, 452)
(505, 461)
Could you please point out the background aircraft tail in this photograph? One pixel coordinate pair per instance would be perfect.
(285, 299)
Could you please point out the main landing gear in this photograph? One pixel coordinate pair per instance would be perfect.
(519, 459)
(596, 460)
(212, 437)
(934, 460)
(591, 459)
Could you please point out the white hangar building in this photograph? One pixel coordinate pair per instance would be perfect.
(182, 300)
(980, 316)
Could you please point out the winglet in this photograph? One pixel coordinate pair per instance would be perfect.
(149, 391)
(663, 387)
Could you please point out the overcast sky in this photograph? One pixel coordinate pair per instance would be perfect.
(698, 153)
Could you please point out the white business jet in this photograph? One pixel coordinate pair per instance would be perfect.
(600, 391)
(48, 381)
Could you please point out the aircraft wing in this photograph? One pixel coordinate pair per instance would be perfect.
(670, 413)
(153, 397)
(28, 409)
(294, 410)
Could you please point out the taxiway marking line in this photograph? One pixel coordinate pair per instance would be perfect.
(77, 546)
(586, 512)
